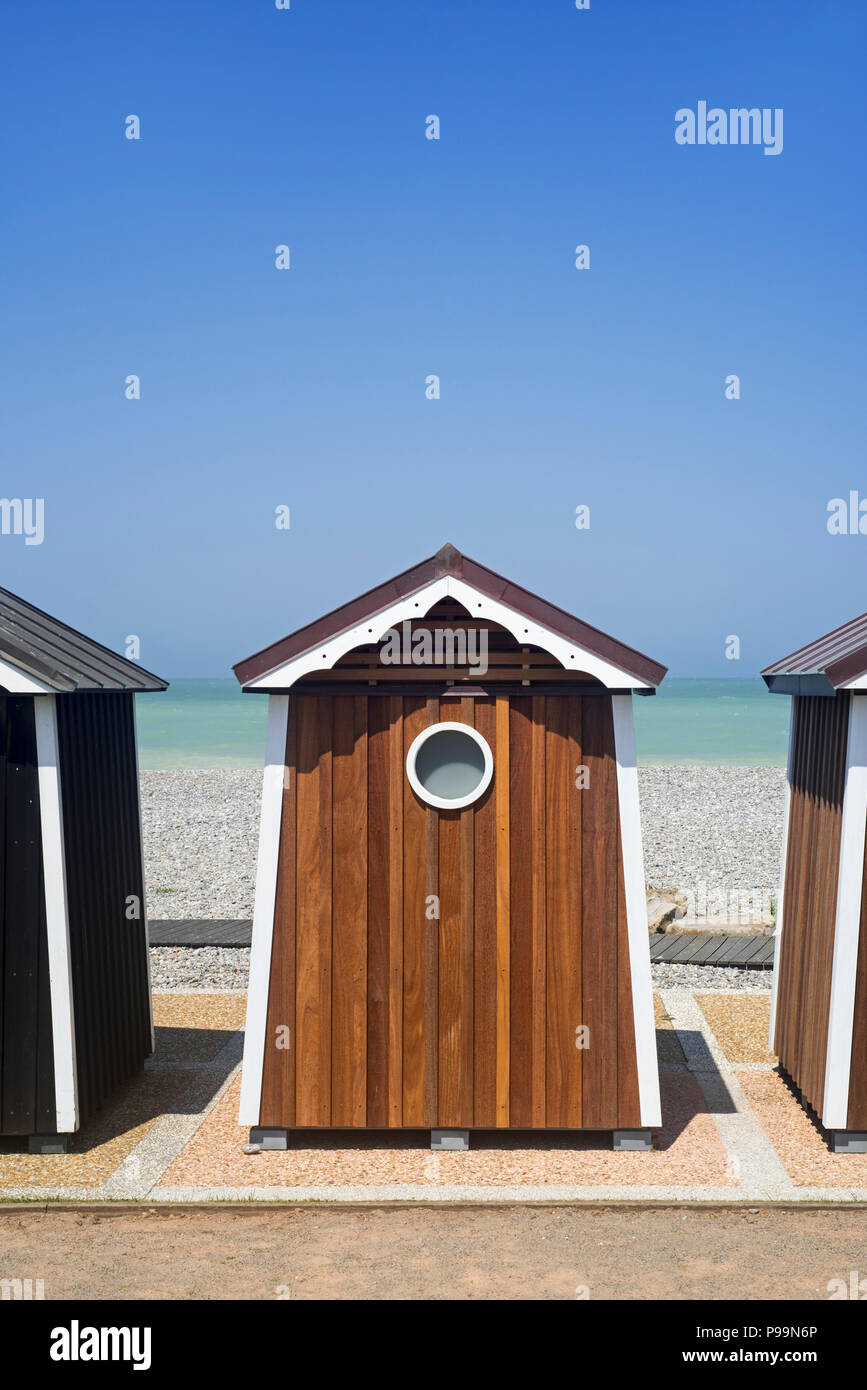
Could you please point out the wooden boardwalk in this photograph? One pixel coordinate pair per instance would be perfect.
(201, 933)
(682, 948)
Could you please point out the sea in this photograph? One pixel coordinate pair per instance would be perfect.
(688, 722)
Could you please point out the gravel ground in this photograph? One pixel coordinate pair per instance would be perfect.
(201, 839)
(705, 828)
(721, 977)
(717, 827)
(199, 967)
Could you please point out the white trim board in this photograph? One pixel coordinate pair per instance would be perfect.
(263, 911)
(569, 654)
(56, 913)
(636, 911)
(17, 682)
(841, 1014)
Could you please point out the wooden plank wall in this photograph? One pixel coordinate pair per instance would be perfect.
(435, 968)
(810, 889)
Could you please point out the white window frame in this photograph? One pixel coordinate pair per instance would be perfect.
(441, 802)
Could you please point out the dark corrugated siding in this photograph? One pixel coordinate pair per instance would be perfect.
(99, 777)
(27, 1103)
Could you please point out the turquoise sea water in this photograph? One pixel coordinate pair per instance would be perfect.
(734, 722)
(210, 724)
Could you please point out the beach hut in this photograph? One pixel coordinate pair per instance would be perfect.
(819, 1000)
(75, 1014)
(450, 927)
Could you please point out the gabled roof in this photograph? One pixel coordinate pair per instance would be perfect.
(40, 653)
(827, 664)
(447, 572)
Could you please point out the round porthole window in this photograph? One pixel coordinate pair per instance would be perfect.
(449, 765)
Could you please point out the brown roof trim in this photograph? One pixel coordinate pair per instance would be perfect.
(840, 656)
(449, 561)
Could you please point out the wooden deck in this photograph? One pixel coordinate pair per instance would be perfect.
(684, 948)
(200, 933)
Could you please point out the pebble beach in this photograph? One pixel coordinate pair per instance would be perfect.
(707, 831)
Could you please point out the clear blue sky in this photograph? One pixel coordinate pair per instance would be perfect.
(410, 257)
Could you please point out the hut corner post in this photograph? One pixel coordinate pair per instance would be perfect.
(841, 1019)
(636, 921)
(57, 925)
(263, 924)
(144, 909)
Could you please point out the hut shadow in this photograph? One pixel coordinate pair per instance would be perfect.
(190, 1046)
(179, 1079)
(826, 1135)
(691, 1084)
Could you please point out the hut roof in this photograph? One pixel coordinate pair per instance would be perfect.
(45, 654)
(448, 572)
(829, 663)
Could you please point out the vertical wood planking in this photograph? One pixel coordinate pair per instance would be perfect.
(524, 866)
(277, 1105)
(468, 871)
(564, 961)
(396, 778)
(819, 738)
(796, 869)
(468, 1021)
(837, 719)
(378, 912)
(806, 982)
(485, 934)
(349, 1020)
(503, 873)
(456, 947)
(599, 838)
(313, 949)
(432, 940)
(415, 934)
(538, 917)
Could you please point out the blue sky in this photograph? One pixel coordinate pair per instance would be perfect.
(409, 257)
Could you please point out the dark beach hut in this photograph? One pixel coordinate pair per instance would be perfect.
(75, 1008)
(819, 1008)
(450, 927)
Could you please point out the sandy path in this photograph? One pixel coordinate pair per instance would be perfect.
(505, 1253)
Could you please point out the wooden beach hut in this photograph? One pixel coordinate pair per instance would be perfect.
(819, 1000)
(75, 1006)
(450, 928)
